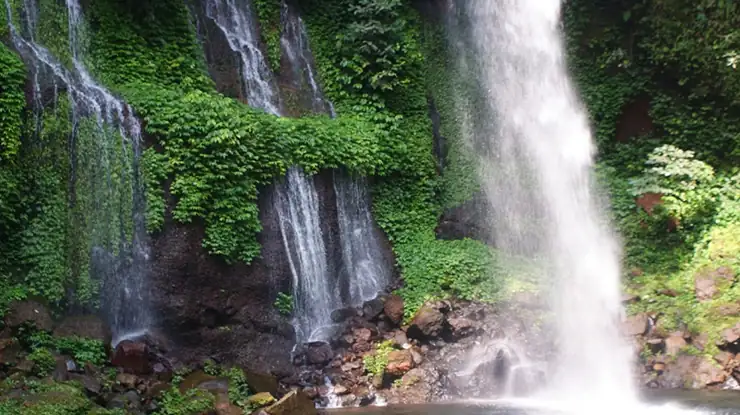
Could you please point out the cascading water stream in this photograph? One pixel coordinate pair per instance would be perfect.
(313, 295)
(361, 253)
(117, 256)
(237, 22)
(366, 274)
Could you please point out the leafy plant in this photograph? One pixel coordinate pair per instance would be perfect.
(376, 362)
(43, 360)
(284, 304)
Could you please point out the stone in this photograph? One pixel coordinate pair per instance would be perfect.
(311, 392)
(427, 323)
(92, 386)
(400, 339)
(261, 382)
(339, 316)
(161, 372)
(729, 336)
(319, 353)
(362, 335)
(132, 357)
(340, 390)
(708, 282)
(86, 326)
(203, 381)
(655, 345)
(260, 400)
(416, 355)
(28, 312)
(372, 309)
(393, 308)
(350, 366)
(709, 374)
(461, 327)
(674, 345)
(399, 362)
(127, 380)
(724, 358)
(293, 403)
(635, 325)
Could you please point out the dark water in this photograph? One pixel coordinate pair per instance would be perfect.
(690, 402)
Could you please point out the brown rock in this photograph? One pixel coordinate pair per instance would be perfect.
(28, 312)
(132, 357)
(393, 308)
(655, 345)
(260, 400)
(340, 390)
(362, 334)
(294, 403)
(708, 282)
(724, 358)
(127, 380)
(319, 353)
(261, 382)
(729, 309)
(709, 374)
(636, 325)
(729, 336)
(399, 362)
(428, 322)
(674, 344)
(461, 327)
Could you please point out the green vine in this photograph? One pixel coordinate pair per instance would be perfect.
(268, 13)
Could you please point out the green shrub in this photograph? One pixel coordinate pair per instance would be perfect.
(284, 304)
(376, 361)
(43, 360)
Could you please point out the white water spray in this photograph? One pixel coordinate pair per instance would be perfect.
(536, 158)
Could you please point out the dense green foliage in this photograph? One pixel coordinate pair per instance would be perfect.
(669, 69)
(376, 362)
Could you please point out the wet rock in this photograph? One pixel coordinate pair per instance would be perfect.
(655, 345)
(132, 357)
(294, 403)
(340, 390)
(156, 389)
(674, 344)
(400, 339)
(127, 380)
(261, 382)
(427, 323)
(708, 373)
(311, 392)
(339, 316)
(416, 355)
(725, 359)
(260, 400)
(129, 401)
(372, 309)
(162, 372)
(393, 308)
(89, 327)
(708, 282)
(28, 312)
(364, 396)
(636, 325)
(92, 386)
(203, 381)
(319, 353)
(350, 366)
(461, 327)
(362, 335)
(399, 362)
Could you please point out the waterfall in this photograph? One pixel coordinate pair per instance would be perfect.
(536, 155)
(314, 297)
(361, 254)
(237, 22)
(111, 167)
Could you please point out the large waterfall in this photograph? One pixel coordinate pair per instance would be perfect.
(536, 155)
(106, 196)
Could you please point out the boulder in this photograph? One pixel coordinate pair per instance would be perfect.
(127, 380)
(319, 353)
(132, 357)
(261, 382)
(393, 308)
(427, 323)
(636, 325)
(707, 373)
(400, 339)
(729, 336)
(399, 362)
(461, 327)
(205, 382)
(28, 312)
(260, 400)
(674, 344)
(88, 326)
(92, 386)
(362, 335)
(372, 309)
(294, 403)
(708, 282)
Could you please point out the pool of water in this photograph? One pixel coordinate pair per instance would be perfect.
(656, 403)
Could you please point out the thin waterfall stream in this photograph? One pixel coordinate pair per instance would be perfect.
(118, 250)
